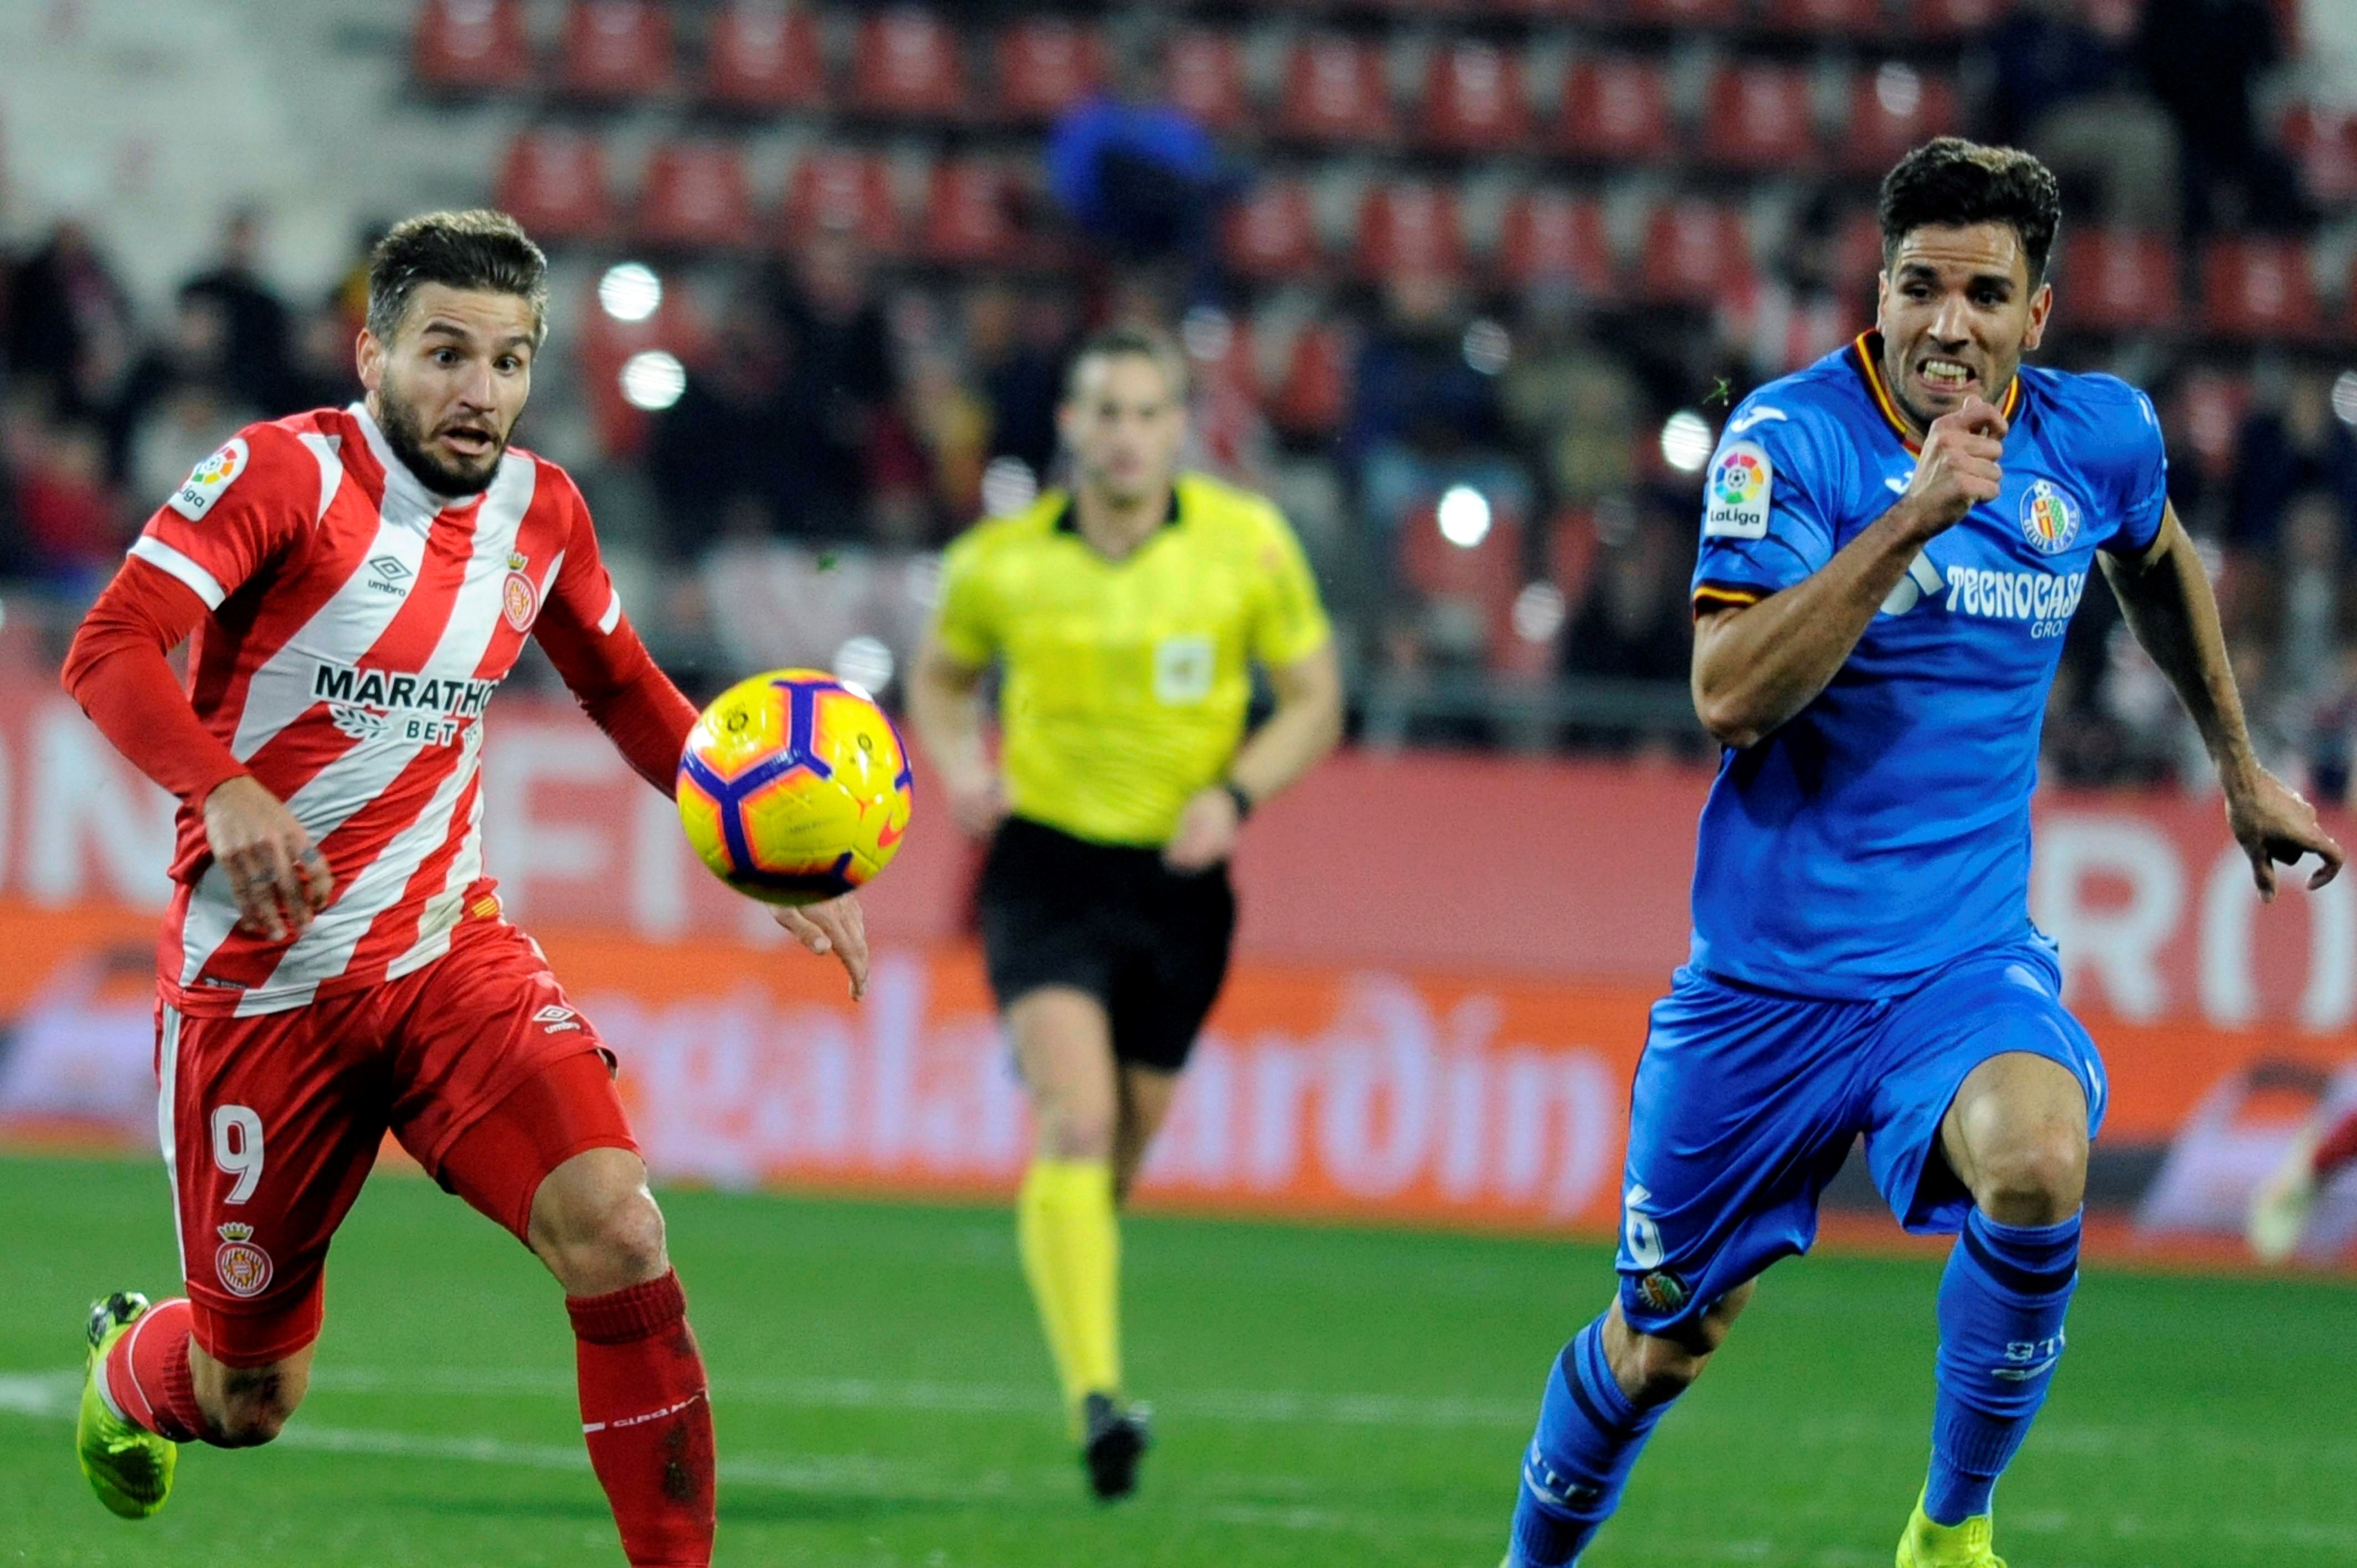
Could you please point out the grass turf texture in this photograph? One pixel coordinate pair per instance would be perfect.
(1325, 1397)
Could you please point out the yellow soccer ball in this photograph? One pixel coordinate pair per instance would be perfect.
(794, 786)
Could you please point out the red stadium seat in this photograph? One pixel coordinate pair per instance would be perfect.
(1683, 14)
(1759, 117)
(1892, 110)
(1851, 19)
(2323, 141)
(2116, 280)
(1203, 73)
(606, 343)
(1952, 18)
(906, 65)
(845, 191)
(1475, 98)
(970, 214)
(1313, 393)
(1550, 237)
(1409, 226)
(1045, 66)
(764, 56)
(2258, 288)
(1616, 109)
(1271, 233)
(1695, 253)
(695, 196)
(1335, 91)
(471, 45)
(1485, 577)
(614, 49)
(554, 183)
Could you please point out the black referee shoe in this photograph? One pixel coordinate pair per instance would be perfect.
(1115, 1439)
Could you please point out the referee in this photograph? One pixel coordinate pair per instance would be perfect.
(1126, 615)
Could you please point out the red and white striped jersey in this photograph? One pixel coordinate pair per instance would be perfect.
(359, 624)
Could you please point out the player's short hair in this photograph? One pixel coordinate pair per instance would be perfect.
(478, 249)
(1130, 342)
(1950, 182)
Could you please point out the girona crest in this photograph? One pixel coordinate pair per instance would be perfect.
(244, 1268)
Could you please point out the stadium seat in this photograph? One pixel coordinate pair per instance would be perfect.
(471, 45)
(1893, 109)
(1550, 237)
(1684, 13)
(1759, 117)
(1313, 395)
(695, 196)
(554, 182)
(614, 49)
(2207, 417)
(1203, 73)
(1045, 65)
(1475, 99)
(840, 189)
(1848, 18)
(970, 214)
(1410, 226)
(1336, 91)
(1694, 252)
(1484, 577)
(906, 65)
(1952, 18)
(1271, 233)
(2258, 288)
(764, 56)
(1616, 109)
(605, 345)
(2323, 141)
(2116, 280)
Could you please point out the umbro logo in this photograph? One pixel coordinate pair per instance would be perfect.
(387, 575)
(554, 1020)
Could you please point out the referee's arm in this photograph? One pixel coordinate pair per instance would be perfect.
(942, 691)
(1306, 726)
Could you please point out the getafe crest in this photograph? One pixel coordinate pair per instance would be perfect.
(244, 1268)
(2048, 519)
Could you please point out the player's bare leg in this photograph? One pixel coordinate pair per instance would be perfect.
(1065, 1221)
(245, 1407)
(1145, 1096)
(1605, 1394)
(2016, 1138)
(2281, 1206)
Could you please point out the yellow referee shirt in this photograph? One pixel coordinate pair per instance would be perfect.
(1126, 681)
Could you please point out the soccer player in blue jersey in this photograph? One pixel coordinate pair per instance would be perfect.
(1893, 542)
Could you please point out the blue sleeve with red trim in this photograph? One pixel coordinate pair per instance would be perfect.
(1771, 499)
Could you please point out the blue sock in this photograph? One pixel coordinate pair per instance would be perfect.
(1589, 1436)
(2001, 1306)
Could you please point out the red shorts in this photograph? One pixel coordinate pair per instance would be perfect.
(475, 1063)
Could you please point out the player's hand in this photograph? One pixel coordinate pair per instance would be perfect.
(978, 808)
(1958, 468)
(1206, 833)
(2272, 822)
(277, 874)
(837, 925)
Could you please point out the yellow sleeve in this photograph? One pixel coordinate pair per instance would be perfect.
(1289, 622)
(967, 627)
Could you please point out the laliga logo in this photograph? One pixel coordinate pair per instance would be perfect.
(244, 1268)
(2047, 520)
(1739, 481)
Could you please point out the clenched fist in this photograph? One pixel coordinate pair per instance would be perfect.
(1958, 468)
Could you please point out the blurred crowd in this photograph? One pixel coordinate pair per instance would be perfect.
(1496, 488)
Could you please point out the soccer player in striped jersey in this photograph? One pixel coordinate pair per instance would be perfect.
(353, 585)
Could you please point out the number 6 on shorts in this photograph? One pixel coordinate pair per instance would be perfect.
(237, 1149)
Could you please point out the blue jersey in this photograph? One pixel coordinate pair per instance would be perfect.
(1884, 830)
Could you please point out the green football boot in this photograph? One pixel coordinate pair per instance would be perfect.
(129, 1468)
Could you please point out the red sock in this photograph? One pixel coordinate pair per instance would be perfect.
(147, 1373)
(647, 1423)
(2338, 1148)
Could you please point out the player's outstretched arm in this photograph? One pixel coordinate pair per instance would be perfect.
(2165, 594)
(1755, 666)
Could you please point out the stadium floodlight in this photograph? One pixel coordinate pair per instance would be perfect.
(1898, 89)
(864, 663)
(630, 291)
(1009, 486)
(1487, 346)
(652, 380)
(1209, 333)
(1464, 516)
(2344, 397)
(1538, 612)
(1685, 441)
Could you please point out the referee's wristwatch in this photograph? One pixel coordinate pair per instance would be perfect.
(1237, 793)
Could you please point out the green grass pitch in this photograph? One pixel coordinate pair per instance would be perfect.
(1324, 1396)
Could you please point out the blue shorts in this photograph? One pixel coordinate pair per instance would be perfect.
(1746, 1102)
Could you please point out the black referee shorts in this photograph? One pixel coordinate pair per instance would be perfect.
(1148, 942)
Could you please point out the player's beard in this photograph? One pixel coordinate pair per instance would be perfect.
(405, 433)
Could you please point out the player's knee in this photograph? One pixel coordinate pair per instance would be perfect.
(1075, 1131)
(1654, 1370)
(608, 1246)
(2035, 1176)
(249, 1409)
